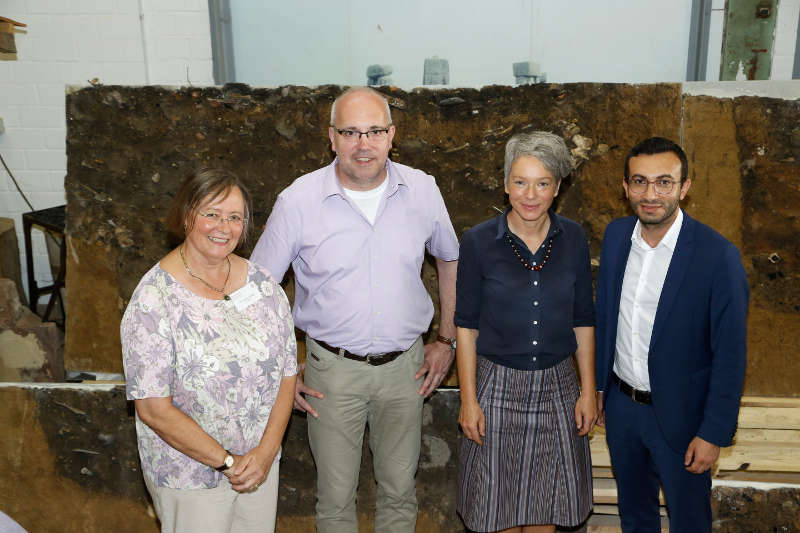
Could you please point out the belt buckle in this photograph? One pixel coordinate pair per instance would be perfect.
(635, 393)
(371, 358)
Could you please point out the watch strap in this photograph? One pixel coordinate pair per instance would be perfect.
(224, 466)
(446, 340)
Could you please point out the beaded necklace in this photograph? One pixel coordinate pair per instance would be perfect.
(522, 259)
(207, 284)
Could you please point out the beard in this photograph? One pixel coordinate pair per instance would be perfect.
(655, 212)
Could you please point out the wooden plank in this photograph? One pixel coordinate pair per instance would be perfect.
(760, 456)
(769, 417)
(784, 478)
(754, 450)
(613, 509)
(602, 472)
(767, 435)
(769, 401)
(605, 491)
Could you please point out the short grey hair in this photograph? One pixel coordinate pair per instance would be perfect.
(360, 90)
(547, 147)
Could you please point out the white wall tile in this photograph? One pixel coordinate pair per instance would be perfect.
(34, 180)
(46, 159)
(117, 73)
(15, 159)
(72, 42)
(43, 116)
(17, 94)
(20, 138)
(55, 139)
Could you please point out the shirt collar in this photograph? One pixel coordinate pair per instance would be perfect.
(332, 186)
(670, 239)
(502, 224)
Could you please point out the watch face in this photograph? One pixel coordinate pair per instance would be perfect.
(229, 461)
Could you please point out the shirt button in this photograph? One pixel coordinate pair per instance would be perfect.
(535, 303)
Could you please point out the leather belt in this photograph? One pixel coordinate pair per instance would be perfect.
(638, 396)
(371, 359)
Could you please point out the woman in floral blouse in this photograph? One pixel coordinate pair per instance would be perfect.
(210, 361)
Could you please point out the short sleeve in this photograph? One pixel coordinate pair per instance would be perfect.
(277, 247)
(468, 284)
(583, 309)
(147, 349)
(286, 332)
(443, 242)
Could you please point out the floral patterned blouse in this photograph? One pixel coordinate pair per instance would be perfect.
(221, 361)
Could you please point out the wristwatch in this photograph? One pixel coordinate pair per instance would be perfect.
(450, 342)
(227, 464)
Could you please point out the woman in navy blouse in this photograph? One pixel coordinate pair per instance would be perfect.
(524, 308)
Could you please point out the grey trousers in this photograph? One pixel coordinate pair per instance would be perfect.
(386, 398)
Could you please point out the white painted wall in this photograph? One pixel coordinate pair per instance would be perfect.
(785, 39)
(68, 43)
(312, 42)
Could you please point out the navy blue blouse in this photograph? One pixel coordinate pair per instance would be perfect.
(524, 317)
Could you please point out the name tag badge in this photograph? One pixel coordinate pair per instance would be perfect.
(245, 296)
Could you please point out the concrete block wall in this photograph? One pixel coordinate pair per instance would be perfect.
(130, 42)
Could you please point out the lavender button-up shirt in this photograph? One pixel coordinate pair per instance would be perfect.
(357, 285)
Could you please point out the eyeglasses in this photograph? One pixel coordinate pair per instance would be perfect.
(639, 185)
(216, 219)
(354, 136)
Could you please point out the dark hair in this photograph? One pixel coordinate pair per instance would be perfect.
(196, 187)
(657, 145)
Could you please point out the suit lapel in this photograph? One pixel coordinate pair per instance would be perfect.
(619, 274)
(675, 275)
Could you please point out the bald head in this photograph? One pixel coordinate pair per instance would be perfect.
(361, 91)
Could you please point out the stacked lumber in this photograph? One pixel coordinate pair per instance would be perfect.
(766, 449)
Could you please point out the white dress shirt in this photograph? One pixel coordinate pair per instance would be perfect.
(644, 278)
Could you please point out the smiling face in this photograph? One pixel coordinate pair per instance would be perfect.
(656, 211)
(531, 189)
(211, 236)
(362, 161)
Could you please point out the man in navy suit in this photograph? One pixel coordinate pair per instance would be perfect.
(671, 345)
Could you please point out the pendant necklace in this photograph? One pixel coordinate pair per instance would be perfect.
(207, 284)
(522, 259)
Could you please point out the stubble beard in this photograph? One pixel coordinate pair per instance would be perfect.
(670, 207)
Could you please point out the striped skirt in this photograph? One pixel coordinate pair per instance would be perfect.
(533, 468)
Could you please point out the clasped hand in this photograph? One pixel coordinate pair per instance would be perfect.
(249, 471)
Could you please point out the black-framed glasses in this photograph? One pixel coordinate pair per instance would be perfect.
(371, 135)
(638, 185)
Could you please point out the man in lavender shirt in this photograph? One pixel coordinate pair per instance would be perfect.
(355, 233)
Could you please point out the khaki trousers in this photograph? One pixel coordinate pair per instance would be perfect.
(217, 510)
(385, 397)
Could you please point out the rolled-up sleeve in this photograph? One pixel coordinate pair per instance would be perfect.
(468, 284)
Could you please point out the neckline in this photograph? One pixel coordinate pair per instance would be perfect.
(195, 295)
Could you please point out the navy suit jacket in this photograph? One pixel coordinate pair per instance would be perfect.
(698, 347)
